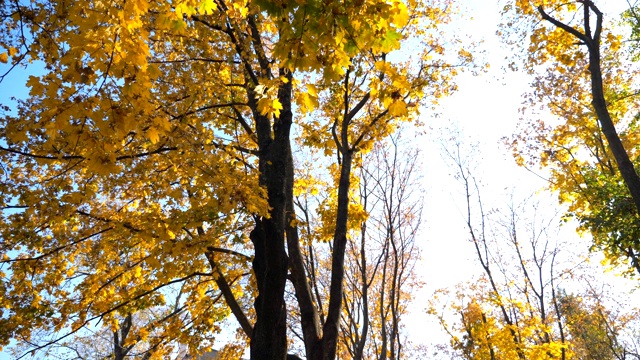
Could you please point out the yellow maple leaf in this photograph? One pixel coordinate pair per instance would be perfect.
(153, 135)
(137, 272)
(208, 7)
(276, 106)
(34, 83)
(398, 108)
(401, 18)
(312, 90)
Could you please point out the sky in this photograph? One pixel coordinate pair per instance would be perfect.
(485, 109)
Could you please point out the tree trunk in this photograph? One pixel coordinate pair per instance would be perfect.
(120, 337)
(309, 317)
(331, 328)
(270, 265)
(365, 295)
(627, 170)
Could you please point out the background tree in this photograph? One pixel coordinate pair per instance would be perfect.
(519, 307)
(584, 77)
(156, 149)
(380, 271)
(595, 331)
(380, 254)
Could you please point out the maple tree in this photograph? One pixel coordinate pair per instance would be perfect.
(381, 253)
(154, 152)
(584, 76)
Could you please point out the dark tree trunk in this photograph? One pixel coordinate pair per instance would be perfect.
(331, 328)
(309, 317)
(627, 170)
(359, 348)
(269, 338)
(119, 339)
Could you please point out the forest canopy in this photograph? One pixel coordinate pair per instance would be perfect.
(149, 183)
(182, 170)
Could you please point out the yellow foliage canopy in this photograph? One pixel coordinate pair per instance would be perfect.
(132, 174)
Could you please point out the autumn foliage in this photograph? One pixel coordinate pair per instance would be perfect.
(181, 169)
(150, 175)
(584, 72)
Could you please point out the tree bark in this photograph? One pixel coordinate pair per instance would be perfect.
(332, 324)
(120, 337)
(309, 317)
(269, 338)
(359, 351)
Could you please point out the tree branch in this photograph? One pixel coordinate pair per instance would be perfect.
(562, 26)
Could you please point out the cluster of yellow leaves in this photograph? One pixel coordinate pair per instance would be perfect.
(136, 151)
(4, 57)
(320, 196)
(478, 330)
(267, 96)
